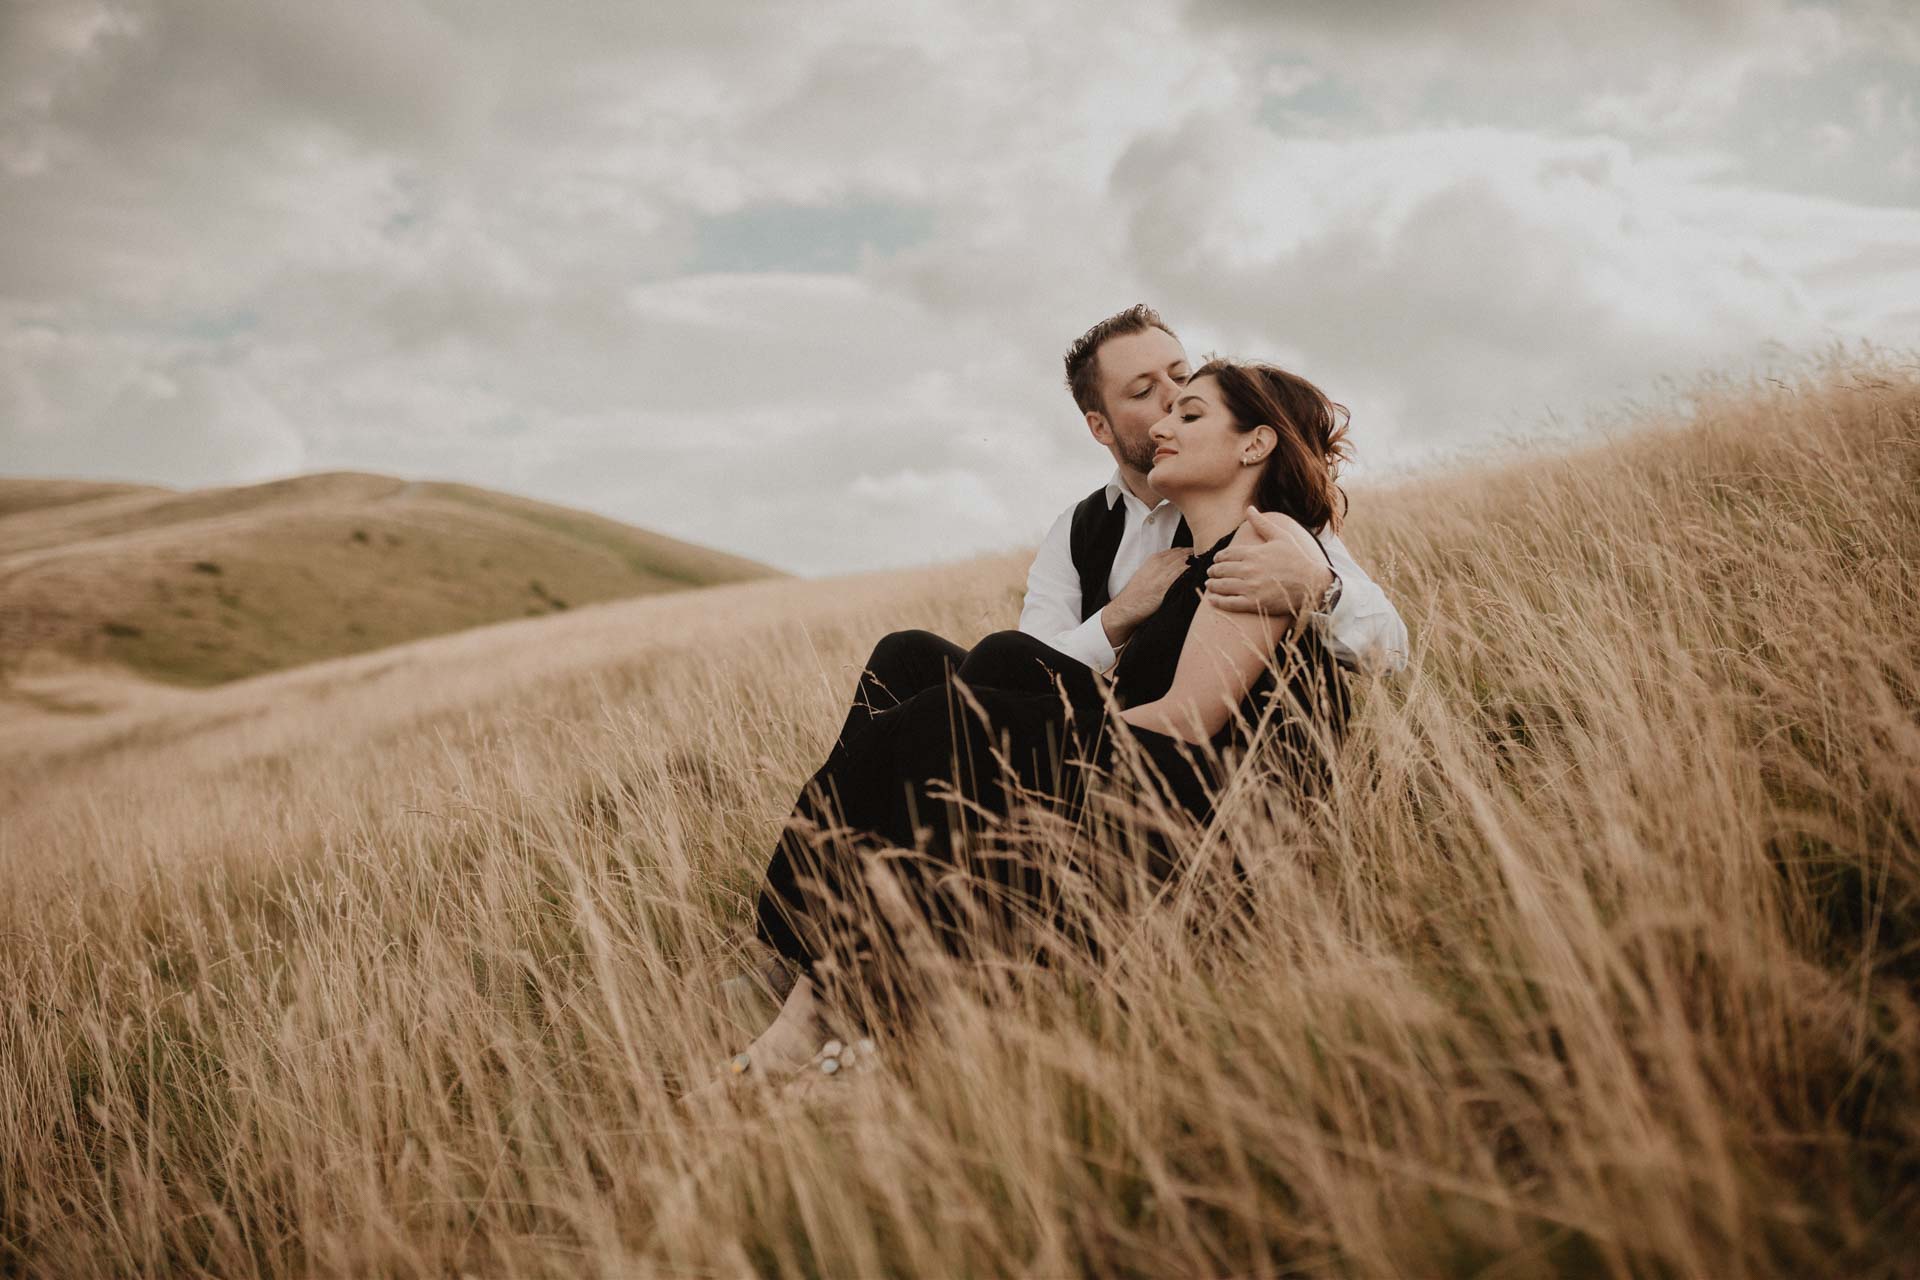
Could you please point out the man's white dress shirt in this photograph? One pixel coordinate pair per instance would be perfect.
(1363, 631)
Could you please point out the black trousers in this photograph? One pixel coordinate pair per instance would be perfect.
(940, 743)
(906, 663)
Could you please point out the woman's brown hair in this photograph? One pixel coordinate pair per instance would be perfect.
(1300, 476)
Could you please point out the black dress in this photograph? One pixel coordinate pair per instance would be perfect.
(922, 787)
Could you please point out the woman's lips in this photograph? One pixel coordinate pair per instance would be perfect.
(1163, 452)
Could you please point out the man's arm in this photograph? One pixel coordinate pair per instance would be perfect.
(1268, 574)
(1051, 611)
(1365, 631)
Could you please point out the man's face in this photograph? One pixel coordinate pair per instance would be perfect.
(1140, 374)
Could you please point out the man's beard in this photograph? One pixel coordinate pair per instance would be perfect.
(1137, 454)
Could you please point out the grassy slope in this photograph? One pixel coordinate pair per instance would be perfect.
(1601, 960)
(202, 587)
(18, 495)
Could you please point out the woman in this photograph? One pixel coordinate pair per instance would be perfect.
(911, 789)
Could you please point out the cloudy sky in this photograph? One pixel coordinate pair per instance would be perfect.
(794, 279)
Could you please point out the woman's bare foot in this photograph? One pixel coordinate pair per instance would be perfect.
(832, 1073)
(783, 1048)
(796, 1032)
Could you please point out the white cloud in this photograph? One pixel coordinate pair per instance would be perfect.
(487, 240)
(71, 404)
(1654, 64)
(1456, 281)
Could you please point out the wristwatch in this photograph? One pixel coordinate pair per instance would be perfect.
(1321, 609)
(1328, 598)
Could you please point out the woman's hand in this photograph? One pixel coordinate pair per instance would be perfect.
(1142, 594)
(1281, 570)
(1222, 656)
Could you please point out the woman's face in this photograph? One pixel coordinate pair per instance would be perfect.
(1199, 446)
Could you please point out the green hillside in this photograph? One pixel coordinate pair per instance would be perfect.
(18, 495)
(211, 585)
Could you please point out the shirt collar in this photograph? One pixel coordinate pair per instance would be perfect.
(1116, 490)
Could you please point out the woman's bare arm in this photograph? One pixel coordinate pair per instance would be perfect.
(1224, 653)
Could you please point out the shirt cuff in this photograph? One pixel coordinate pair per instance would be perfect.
(1088, 643)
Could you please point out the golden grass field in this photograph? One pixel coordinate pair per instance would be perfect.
(1599, 959)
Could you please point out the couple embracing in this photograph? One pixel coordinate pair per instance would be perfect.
(1198, 608)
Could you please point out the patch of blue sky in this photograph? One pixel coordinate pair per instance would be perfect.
(1301, 99)
(221, 326)
(803, 238)
(501, 425)
(401, 220)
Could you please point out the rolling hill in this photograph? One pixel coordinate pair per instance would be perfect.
(205, 586)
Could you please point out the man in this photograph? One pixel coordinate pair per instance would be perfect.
(1107, 561)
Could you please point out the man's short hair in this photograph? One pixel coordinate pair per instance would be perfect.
(1083, 357)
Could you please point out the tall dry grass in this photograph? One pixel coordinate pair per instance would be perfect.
(1599, 958)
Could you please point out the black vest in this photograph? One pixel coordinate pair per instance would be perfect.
(1094, 540)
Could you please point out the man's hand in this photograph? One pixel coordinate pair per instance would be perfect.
(1142, 594)
(1283, 574)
